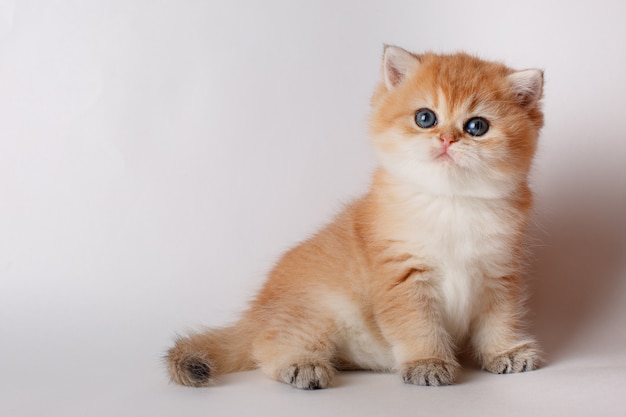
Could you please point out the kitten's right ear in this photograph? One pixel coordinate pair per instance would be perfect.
(397, 63)
(527, 86)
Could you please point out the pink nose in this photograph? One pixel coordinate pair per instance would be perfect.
(447, 139)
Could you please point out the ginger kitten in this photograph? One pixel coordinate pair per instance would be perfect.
(426, 262)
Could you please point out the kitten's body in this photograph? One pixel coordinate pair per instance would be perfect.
(428, 260)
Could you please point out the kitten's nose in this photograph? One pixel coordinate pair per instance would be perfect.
(447, 139)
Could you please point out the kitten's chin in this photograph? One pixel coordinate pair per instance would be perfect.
(443, 176)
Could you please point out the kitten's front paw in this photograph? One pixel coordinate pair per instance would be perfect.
(307, 375)
(430, 372)
(521, 359)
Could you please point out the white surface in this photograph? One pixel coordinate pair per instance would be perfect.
(157, 157)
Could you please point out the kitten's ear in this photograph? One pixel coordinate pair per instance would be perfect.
(527, 85)
(397, 63)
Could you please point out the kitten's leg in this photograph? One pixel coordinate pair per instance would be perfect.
(410, 318)
(498, 337)
(296, 348)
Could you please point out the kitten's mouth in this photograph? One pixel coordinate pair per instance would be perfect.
(443, 155)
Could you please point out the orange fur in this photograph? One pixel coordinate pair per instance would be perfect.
(427, 260)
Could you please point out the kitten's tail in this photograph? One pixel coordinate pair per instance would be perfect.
(195, 360)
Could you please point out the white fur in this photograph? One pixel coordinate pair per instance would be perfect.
(413, 163)
(465, 239)
(355, 341)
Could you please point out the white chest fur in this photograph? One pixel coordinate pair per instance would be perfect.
(464, 240)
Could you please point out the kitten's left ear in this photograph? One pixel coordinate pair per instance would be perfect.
(527, 85)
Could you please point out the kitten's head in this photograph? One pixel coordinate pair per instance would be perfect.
(454, 124)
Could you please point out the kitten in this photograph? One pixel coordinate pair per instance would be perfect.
(427, 261)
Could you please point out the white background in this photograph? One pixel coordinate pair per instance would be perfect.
(156, 157)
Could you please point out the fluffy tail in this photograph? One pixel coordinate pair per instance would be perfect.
(196, 359)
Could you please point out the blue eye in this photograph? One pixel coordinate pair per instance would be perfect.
(425, 118)
(476, 126)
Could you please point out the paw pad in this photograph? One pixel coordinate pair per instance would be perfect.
(430, 372)
(523, 359)
(307, 376)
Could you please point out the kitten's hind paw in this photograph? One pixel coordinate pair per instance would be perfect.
(307, 376)
(430, 372)
(521, 359)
